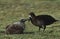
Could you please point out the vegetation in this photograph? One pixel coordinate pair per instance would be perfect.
(13, 10)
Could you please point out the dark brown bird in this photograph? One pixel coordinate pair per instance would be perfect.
(41, 20)
(16, 28)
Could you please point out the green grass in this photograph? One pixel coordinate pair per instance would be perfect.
(12, 10)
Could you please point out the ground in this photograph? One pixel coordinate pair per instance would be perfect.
(12, 10)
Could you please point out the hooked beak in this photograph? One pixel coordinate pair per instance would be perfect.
(29, 17)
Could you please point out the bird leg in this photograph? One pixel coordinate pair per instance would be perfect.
(44, 28)
(39, 29)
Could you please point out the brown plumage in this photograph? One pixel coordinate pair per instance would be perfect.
(16, 28)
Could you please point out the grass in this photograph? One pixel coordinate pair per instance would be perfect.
(13, 10)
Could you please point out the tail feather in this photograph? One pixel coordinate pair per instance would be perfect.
(57, 20)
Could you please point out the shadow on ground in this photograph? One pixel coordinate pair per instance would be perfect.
(3, 32)
(28, 33)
